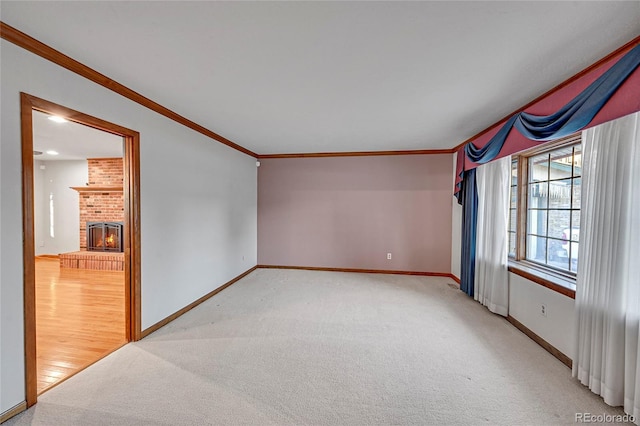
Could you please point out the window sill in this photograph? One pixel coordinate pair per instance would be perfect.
(555, 282)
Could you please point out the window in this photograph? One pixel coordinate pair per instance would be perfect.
(51, 216)
(513, 204)
(550, 204)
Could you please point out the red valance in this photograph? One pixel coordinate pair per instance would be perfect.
(626, 100)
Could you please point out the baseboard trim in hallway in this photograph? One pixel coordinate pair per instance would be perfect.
(47, 256)
(14, 411)
(539, 340)
(192, 305)
(364, 271)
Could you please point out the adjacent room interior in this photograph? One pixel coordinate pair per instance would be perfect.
(320, 213)
(79, 262)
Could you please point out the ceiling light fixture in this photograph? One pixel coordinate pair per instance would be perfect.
(52, 152)
(58, 119)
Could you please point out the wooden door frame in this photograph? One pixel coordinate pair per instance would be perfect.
(131, 191)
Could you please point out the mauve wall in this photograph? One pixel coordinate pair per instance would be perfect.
(349, 212)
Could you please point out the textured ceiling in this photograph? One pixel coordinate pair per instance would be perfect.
(281, 77)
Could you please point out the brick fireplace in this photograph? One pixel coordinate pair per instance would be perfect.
(102, 200)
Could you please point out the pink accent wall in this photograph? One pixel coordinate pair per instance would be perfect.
(349, 212)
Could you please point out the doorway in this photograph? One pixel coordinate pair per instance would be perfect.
(116, 274)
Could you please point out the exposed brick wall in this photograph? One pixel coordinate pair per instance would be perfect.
(106, 171)
(102, 206)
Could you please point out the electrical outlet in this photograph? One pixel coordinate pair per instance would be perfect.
(388, 256)
(543, 310)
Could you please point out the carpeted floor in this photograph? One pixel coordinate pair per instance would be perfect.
(293, 347)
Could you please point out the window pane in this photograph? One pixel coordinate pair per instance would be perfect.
(575, 225)
(558, 256)
(512, 244)
(512, 220)
(514, 172)
(537, 222)
(560, 194)
(539, 168)
(577, 186)
(514, 197)
(573, 246)
(538, 195)
(574, 262)
(537, 249)
(561, 163)
(577, 160)
(559, 224)
(574, 235)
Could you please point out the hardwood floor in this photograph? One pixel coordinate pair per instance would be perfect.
(80, 318)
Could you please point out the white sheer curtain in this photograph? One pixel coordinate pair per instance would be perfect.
(491, 279)
(607, 358)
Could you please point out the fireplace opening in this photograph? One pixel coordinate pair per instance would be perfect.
(104, 236)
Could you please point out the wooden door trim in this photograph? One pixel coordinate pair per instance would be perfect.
(357, 153)
(28, 251)
(28, 103)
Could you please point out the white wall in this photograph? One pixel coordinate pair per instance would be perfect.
(198, 203)
(57, 178)
(557, 327)
(456, 227)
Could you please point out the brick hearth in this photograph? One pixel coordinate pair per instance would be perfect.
(93, 260)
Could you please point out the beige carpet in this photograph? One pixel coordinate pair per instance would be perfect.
(292, 347)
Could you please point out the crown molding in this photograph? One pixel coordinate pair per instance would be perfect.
(357, 153)
(29, 43)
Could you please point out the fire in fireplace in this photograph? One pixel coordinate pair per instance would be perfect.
(104, 236)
